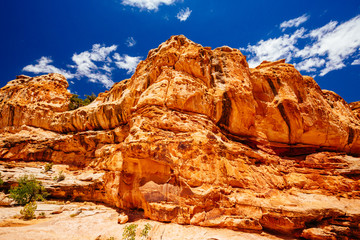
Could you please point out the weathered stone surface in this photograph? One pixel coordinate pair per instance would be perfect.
(100, 222)
(355, 107)
(318, 234)
(5, 200)
(74, 186)
(196, 137)
(32, 101)
(123, 218)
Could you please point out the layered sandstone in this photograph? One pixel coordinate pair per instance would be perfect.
(97, 222)
(196, 137)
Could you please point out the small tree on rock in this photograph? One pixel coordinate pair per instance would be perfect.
(76, 102)
(28, 190)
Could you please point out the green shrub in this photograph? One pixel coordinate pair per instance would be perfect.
(42, 215)
(76, 102)
(29, 189)
(28, 212)
(60, 177)
(145, 231)
(1, 181)
(129, 232)
(48, 166)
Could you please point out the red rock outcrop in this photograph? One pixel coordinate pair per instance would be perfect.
(196, 137)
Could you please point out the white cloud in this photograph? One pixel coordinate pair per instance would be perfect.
(294, 22)
(184, 14)
(147, 4)
(356, 62)
(85, 60)
(43, 66)
(107, 68)
(320, 32)
(130, 42)
(96, 65)
(274, 48)
(101, 53)
(310, 64)
(126, 62)
(86, 64)
(105, 79)
(336, 43)
(326, 50)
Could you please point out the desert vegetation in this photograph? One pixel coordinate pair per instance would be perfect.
(60, 177)
(28, 212)
(1, 180)
(48, 166)
(145, 231)
(130, 231)
(76, 102)
(28, 190)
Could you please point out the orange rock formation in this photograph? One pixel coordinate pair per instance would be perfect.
(196, 137)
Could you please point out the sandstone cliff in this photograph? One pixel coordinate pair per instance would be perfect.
(196, 137)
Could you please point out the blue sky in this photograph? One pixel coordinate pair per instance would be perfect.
(95, 43)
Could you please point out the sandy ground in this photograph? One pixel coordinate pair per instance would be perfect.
(100, 222)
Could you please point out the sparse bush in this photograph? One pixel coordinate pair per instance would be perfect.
(60, 177)
(48, 166)
(76, 102)
(145, 231)
(42, 215)
(1, 180)
(29, 189)
(28, 212)
(130, 232)
(111, 238)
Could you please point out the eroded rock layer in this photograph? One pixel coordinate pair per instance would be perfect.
(196, 137)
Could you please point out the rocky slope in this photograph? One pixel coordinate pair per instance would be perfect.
(97, 222)
(196, 137)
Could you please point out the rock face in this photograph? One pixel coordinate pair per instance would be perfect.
(196, 137)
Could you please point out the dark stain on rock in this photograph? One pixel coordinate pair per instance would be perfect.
(82, 141)
(217, 68)
(285, 117)
(212, 80)
(272, 86)
(118, 114)
(299, 97)
(11, 115)
(211, 136)
(183, 146)
(148, 82)
(226, 111)
(351, 135)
